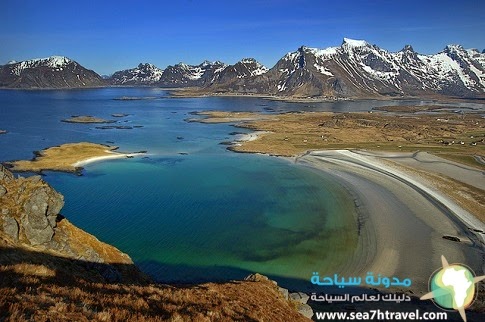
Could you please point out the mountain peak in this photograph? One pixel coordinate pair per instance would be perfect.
(452, 48)
(248, 60)
(408, 48)
(354, 42)
(54, 62)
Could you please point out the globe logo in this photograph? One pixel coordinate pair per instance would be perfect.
(453, 287)
(455, 283)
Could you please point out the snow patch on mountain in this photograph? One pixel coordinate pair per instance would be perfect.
(55, 62)
(323, 70)
(354, 43)
(142, 74)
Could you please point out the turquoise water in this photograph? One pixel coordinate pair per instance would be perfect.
(206, 214)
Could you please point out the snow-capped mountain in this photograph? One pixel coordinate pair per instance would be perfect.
(235, 78)
(245, 68)
(205, 75)
(51, 72)
(353, 69)
(358, 69)
(183, 75)
(143, 74)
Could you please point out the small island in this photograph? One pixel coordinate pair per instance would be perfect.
(86, 119)
(3, 132)
(69, 157)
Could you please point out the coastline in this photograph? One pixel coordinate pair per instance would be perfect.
(87, 161)
(402, 220)
(69, 157)
(405, 222)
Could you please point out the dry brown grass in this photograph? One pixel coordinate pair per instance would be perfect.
(229, 117)
(295, 133)
(62, 158)
(44, 300)
(80, 241)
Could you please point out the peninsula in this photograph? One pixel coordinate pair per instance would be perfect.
(69, 157)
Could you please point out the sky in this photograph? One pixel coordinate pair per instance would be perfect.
(107, 36)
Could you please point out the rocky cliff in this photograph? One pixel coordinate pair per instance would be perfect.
(30, 219)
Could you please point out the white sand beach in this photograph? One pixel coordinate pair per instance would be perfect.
(401, 218)
(114, 155)
(252, 136)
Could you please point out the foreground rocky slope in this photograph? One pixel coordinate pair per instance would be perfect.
(53, 271)
(51, 72)
(30, 219)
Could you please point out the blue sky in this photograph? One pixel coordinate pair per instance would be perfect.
(111, 35)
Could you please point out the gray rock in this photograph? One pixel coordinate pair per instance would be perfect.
(11, 227)
(3, 191)
(305, 310)
(283, 291)
(37, 236)
(5, 174)
(35, 209)
(299, 297)
(39, 214)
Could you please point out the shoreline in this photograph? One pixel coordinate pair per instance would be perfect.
(192, 92)
(91, 160)
(405, 220)
(248, 137)
(69, 157)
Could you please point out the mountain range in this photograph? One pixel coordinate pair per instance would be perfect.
(355, 69)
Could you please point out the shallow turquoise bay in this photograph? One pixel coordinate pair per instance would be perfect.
(208, 214)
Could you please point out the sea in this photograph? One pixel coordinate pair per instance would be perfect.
(189, 210)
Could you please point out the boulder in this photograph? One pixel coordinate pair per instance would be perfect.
(256, 277)
(305, 310)
(39, 215)
(3, 191)
(283, 291)
(299, 297)
(10, 227)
